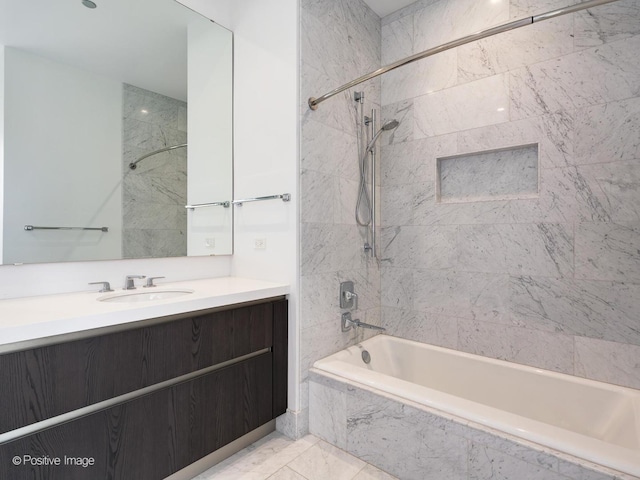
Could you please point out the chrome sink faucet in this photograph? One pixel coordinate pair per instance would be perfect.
(128, 281)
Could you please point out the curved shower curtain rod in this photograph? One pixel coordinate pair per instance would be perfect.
(133, 165)
(314, 102)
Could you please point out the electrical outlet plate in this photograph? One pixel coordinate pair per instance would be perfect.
(260, 243)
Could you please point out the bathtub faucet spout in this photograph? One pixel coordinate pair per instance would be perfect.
(348, 323)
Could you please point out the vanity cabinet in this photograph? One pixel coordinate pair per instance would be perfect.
(175, 390)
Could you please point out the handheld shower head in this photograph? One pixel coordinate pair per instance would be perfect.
(386, 126)
(390, 125)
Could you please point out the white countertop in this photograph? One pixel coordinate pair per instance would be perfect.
(32, 318)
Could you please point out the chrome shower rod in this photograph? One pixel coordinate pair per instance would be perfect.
(133, 165)
(505, 27)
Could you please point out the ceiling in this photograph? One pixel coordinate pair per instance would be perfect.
(385, 7)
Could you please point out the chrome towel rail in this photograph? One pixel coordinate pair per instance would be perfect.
(314, 102)
(29, 228)
(224, 204)
(285, 198)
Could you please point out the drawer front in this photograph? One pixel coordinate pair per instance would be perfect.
(153, 436)
(48, 381)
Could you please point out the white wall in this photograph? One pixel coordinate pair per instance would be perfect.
(210, 138)
(2, 47)
(63, 131)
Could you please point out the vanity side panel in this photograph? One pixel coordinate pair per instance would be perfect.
(280, 356)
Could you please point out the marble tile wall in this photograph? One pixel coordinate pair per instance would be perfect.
(340, 40)
(412, 442)
(155, 193)
(551, 281)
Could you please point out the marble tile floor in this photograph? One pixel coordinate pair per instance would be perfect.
(276, 457)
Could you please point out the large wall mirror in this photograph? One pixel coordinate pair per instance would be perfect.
(116, 116)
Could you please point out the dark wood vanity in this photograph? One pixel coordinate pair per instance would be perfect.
(147, 400)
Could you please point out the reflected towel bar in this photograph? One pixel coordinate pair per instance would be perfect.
(314, 102)
(224, 204)
(285, 198)
(29, 228)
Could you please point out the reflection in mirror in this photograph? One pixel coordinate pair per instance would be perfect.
(88, 91)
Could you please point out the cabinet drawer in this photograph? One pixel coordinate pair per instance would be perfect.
(48, 381)
(155, 435)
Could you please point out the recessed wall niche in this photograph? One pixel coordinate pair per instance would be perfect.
(502, 174)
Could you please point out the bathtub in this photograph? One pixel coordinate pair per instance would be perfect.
(590, 420)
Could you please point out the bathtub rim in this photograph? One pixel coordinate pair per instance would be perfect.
(515, 427)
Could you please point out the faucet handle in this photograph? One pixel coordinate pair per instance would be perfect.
(105, 286)
(150, 282)
(129, 283)
(349, 296)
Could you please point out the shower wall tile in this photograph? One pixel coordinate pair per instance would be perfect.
(616, 188)
(608, 251)
(422, 327)
(527, 8)
(429, 212)
(451, 19)
(318, 205)
(322, 340)
(317, 255)
(553, 133)
(418, 247)
(340, 41)
(474, 296)
(345, 201)
(322, 298)
(518, 249)
(590, 77)
(403, 112)
(607, 23)
(397, 203)
(515, 49)
(551, 351)
(471, 105)
(337, 112)
(397, 39)
(397, 287)
(594, 141)
(588, 308)
(328, 150)
(607, 361)
(420, 78)
(407, 11)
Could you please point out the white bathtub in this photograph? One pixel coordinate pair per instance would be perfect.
(590, 420)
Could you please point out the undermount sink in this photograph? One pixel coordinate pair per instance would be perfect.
(149, 296)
